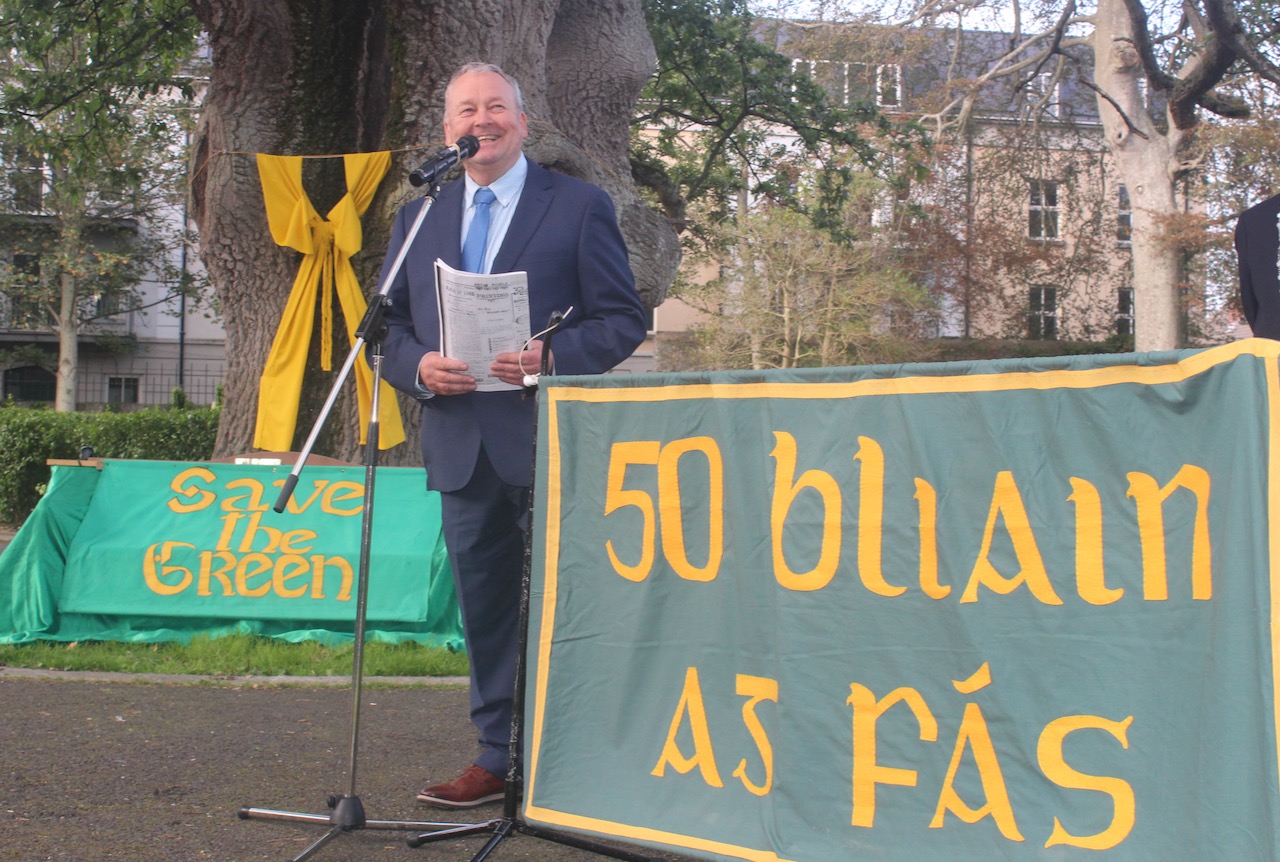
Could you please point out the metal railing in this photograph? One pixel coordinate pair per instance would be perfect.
(148, 383)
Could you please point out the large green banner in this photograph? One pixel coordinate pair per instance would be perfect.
(1001, 610)
(153, 550)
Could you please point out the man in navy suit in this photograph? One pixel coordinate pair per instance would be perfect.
(1257, 250)
(478, 445)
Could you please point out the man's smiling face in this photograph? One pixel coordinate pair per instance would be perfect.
(484, 104)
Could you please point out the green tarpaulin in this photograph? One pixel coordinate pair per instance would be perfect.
(154, 551)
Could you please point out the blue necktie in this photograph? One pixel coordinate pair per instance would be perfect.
(478, 233)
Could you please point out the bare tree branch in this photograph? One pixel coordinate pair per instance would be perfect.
(1102, 94)
(1225, 20)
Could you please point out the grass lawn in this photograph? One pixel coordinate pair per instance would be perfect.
(236, 655)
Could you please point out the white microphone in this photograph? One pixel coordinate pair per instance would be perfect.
(436, 166)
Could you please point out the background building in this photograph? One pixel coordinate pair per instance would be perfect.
(132, 352)
(99, 277)
(1020, 229)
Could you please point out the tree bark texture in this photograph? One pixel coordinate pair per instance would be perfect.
(326, 77)
(1147, 160)
(64, 399)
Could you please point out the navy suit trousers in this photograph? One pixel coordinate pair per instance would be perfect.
(485, 526)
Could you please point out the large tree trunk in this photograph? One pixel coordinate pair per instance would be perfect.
(304, 77)
(1147, 160)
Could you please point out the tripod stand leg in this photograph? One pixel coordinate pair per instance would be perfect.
(437, 827)
(501, 831)
(315, 846)
(248, 812)
(457, 831)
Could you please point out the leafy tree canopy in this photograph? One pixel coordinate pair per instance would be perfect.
(96, 56)
(92, 122)
(727, 113)
(89, 89)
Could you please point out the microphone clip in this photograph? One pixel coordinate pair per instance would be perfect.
(553, 323)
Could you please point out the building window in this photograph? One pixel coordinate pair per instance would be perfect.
(122, 390)
(1124, 216)
(847, 83)
(30, 383)
(831, 76)
(26, 180)
(26, 308)
(1042, 318)
(107, 305)
(889, 85)
(1043, 210)
(1124, 312)
(27, 267)
(1045, 94)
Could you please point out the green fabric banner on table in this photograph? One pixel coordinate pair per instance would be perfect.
(151, 550)
(965, 611)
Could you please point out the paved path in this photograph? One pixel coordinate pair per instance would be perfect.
(93, 770)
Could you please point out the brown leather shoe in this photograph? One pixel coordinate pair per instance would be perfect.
(473, 787)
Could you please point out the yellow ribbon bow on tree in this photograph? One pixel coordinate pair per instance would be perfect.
(327, 246)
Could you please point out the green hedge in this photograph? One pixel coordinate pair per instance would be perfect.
(29, 438)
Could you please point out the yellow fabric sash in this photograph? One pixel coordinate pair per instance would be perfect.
(327, 246)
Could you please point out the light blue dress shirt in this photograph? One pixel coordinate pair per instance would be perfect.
(506, 189)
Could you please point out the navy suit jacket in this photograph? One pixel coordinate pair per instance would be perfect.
(1257, 247)
(564, 234)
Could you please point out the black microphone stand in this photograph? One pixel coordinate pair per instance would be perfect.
(347, 813)
(510, 822)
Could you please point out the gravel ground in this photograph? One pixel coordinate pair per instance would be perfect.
(104, 767)
(95, 768)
